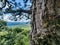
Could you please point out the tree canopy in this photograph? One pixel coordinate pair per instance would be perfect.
(16, 7)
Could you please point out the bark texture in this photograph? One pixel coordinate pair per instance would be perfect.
(43, 23)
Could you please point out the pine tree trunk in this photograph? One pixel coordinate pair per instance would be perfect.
(43, 25)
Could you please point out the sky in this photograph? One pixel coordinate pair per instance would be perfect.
(6, 16)
(22, 3)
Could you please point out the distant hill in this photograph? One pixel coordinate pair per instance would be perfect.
(17, 23)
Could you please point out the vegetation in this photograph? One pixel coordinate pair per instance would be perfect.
(2, 22)
(14, 36)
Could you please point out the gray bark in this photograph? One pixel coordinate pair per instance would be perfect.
(43, 25)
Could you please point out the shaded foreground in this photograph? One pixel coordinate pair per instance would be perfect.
(14, 35)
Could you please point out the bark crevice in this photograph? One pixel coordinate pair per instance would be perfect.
(43, 25)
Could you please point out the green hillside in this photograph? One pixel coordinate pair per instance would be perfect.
(15, 35)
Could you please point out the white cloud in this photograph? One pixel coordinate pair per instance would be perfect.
(24, 20)
(7, 16)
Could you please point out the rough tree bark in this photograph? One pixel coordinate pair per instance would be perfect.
(43, 25)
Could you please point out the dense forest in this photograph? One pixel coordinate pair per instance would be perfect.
(45, 22)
